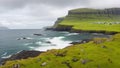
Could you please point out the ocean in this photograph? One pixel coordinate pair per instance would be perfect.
(16, 40)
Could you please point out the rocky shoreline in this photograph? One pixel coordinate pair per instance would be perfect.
(21, 55)
(69, 29)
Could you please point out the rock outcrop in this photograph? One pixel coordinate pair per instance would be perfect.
(21, 55)
(86, 13)
(113, 11)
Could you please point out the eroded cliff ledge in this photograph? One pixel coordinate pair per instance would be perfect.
(90, 20)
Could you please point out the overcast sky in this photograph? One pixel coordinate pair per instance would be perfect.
(34, 14)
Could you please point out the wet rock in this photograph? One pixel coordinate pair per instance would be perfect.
(80, 42)
(24, 38)
(77, 42)
(22, 55)
(48, 42)
(16, 66)
(25, 54)
(44, 64)
(38, 34)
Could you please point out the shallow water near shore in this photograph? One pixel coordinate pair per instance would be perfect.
(12, 41)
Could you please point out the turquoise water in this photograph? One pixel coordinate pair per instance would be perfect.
(9, 43)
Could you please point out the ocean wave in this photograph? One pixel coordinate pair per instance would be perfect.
(56, 43)
(72, 34)
(65, 32)
(26, 44)
(6, 56)
(42, 43)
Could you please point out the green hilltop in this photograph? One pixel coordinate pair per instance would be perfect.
(98, 53)
(86, 19)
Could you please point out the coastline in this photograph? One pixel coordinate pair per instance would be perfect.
(25, 54)
(95, 52)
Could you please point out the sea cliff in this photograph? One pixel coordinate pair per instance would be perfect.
(90, 20)
(96, 53)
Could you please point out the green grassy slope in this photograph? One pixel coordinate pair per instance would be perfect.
(99, 53)
(92, 19)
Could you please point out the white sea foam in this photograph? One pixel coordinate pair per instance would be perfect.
(58, 43)
(42, 43)
(26, 44)
(29, 38)
(6, 56)
(38, 43)
(69, 34)
(64, 32)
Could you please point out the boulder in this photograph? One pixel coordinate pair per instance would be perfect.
(16, 66)
(44, 63)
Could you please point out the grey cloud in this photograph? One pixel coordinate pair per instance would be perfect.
(39, 13)
(55, 3)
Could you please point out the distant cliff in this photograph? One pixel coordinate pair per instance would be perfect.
(3, 28)
(113, 11)
(88, 19)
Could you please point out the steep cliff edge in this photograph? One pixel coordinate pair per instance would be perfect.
(98, 53)
(90, 20)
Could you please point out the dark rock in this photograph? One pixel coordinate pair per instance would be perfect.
(80, 42)
(48, 42)
(16, 66)
(62, 28)
(38, 34)
(77, 42)
(25, 54)
(24, 38)
(21, 55)
(84, 61)
(49, 28)
(75, 59)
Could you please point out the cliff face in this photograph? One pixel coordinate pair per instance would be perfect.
(87, 19)
(113, 11)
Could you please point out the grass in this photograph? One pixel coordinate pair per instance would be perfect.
(94, 53)
(95, 23)
(88, 19)
(99, 53)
